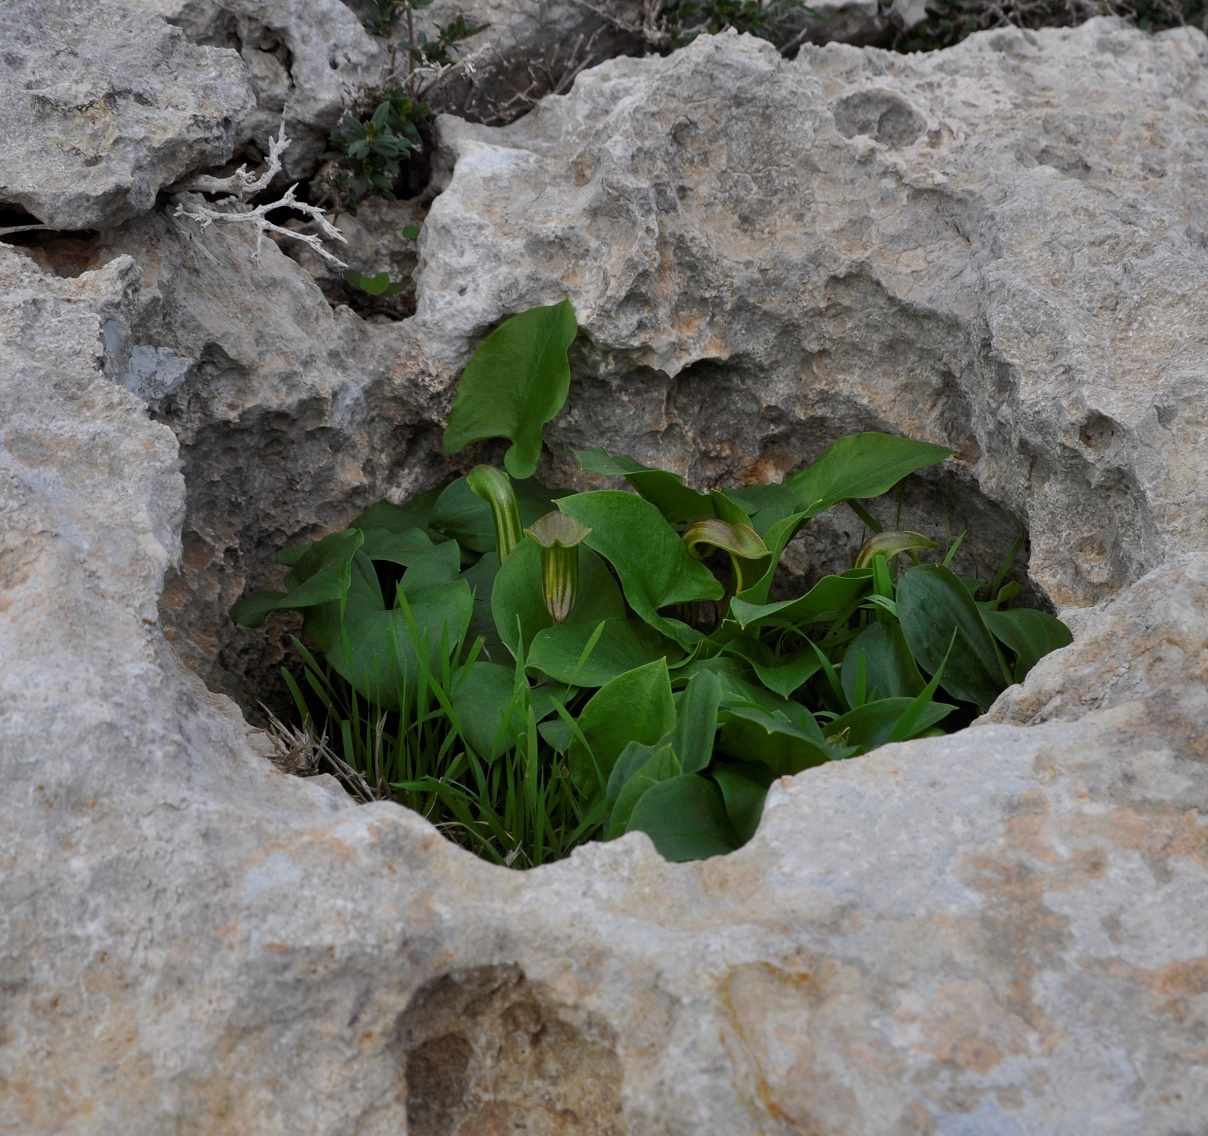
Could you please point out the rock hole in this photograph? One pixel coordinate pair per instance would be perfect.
(486, 1052)
(1097, 432)
(883, 115)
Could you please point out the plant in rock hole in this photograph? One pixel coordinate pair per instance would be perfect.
(532, 667)
(372, 144)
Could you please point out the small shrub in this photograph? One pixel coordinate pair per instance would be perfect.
(372, 144)
(531, 667)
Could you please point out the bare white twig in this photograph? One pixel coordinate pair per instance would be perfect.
(25, 229)
(234, 209)
(241, 184)
(652, 27)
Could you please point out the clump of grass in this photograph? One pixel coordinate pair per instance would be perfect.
(518, 807)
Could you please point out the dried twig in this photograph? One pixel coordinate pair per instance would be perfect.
(298, 752)
(27, 229)
(235, 209)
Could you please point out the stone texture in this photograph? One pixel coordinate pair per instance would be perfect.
(307, 62)
(101, 107)
(998, 932)
(992, 247)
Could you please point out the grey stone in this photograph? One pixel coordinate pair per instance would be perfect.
(999, 931)
(153, 373)
(993, 247)
(307, 62)
(100, 108)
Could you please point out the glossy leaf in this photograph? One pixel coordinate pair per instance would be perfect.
(320, 576)
(685, 817)
(935, 606)
(654, 566)
(518, 601)
(660, 764)
(1029, 635)
(488, 713)
(516, 382)
(634, 707)
(744, 787)
(396, 547)
(781, 674)
(666, 491)
(399, 518)
(825, 601)
(696, 722)
(860, 466)
(890, 670)
(751, 734)
(623, 644)
(876, 723)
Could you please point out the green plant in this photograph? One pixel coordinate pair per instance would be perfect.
(600, 662)
(368, 152)
(379, 285)
(782, 22)
(371, 144)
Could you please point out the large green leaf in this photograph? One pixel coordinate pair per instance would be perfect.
(751, 734)
(1029, 634)
(876, 723)
(320, 576)
(666, 491)
(380, 649)
(398, 518)
(696, 721)
(934, 606)
(381, 652)
(516, 382)
(488, 712)
(653, 764)
(744, 787)
(685, 817)
(781, 674)
(889, 667)
(829, 598)
(623, 644)
(634, 707)
(653, 563)
(860, 466)
(518, 603)
(396, 547)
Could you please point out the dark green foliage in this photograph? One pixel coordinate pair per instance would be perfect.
(779, 21)
(371, 145)
(546, 667)
(379, 285)
(370, 151)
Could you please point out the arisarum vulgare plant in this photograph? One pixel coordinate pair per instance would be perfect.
(574, 666)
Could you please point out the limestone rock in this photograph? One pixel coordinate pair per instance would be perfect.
(997, 932)
(995, 247)
(307, 62)
(100, 107)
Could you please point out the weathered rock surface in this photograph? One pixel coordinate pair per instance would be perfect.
(998, 932)
(307, 61)
(990, 247)
(101, 107)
